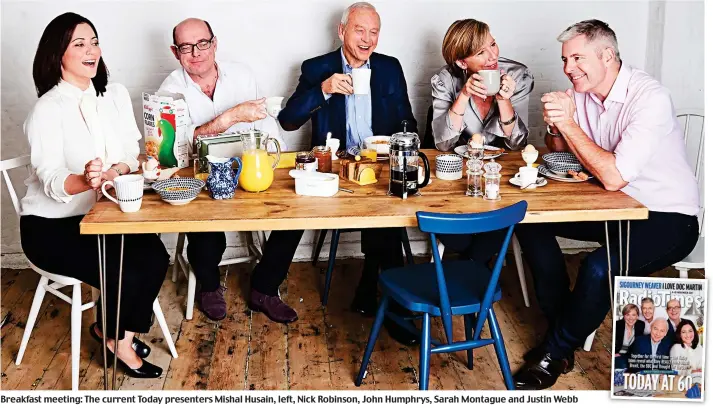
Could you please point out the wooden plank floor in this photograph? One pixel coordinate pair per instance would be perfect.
(322, 350)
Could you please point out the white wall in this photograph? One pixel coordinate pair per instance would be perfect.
(274, 37)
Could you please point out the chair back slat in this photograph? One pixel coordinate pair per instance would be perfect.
(439, 223)
(436, 223)
(10, 164)
(697, 164)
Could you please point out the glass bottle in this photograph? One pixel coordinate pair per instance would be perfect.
(492, 180)
(474, 173)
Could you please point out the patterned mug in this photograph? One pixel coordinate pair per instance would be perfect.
(222, 180)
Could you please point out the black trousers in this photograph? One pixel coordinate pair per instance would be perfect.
(205, 251)
(55, 245)
(654, 244)
(477, 247)
(381, 248)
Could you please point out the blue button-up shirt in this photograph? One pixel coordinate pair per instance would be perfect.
(358, 110)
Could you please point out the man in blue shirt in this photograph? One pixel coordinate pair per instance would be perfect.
(325, 95)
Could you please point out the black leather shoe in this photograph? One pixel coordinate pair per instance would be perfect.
(147, 370)
(400, 334)
(142, 349)
(540, 374)
(538, 352)
(364, 305)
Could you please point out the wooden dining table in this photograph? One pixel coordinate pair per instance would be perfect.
(369, 206)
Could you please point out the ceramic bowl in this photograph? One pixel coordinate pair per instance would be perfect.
(561, 162)
(179, 190)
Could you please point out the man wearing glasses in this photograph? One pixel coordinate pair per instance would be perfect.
(221, 97)
(673, 310)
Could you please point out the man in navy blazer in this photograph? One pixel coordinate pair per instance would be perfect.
(644, 345)
(325, 95)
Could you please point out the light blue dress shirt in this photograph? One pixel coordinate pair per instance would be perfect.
(358, 109)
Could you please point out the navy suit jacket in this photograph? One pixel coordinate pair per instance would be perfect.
(389, 99)
(642, 345)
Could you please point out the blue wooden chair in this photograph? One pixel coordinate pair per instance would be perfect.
(450, 289)
(333, 255)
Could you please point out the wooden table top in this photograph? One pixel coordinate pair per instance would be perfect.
(279, 208)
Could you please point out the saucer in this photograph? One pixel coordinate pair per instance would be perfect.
(541, 181)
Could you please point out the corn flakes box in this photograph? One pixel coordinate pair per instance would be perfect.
(166, 122)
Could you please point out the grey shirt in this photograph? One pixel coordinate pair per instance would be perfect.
(444, 89)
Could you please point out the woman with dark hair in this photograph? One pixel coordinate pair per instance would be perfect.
(686, 356)
(628, 328)
(82, 132)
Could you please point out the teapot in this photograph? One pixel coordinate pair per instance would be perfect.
(222, 181)
(258, 170)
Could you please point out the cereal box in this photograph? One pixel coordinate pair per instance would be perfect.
(166, 121)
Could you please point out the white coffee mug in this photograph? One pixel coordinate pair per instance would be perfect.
(449, 167)
(129, 191)
(361, 80)
(491, 79)
(528, 177)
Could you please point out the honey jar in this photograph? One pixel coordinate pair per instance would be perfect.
(323, 155)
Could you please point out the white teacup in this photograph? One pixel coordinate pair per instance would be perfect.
(273, 105)
(129, 191)
(491, 79)
(361, 80)
(528, 177)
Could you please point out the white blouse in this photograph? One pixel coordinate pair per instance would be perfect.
(67, 128)
(686, 359)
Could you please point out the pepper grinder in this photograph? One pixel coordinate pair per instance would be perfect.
(474, 173)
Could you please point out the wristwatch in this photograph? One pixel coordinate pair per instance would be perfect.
(549, 132)
(509, 122)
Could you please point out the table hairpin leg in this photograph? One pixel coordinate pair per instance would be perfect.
(103, 289)
(623, 267)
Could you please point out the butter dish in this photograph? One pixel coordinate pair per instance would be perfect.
(315, 184)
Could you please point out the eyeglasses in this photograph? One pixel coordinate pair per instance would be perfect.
(674, 308)
(201, 45)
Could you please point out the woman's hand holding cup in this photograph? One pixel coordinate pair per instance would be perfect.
(474, 87)
(507, 86)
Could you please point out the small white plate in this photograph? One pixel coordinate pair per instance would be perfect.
(549, 173)
(541, 181)
(180, 202)
(463, 151)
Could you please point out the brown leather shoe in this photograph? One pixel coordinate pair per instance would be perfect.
(272, 306)
(212, 304)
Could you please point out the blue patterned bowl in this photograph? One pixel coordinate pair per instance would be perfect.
(562, 162)
(181, 189)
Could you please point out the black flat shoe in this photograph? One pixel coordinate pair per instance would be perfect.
(540, 374)
(146, 370)
(364, 305)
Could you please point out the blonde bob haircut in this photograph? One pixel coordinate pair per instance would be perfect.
(463, 39)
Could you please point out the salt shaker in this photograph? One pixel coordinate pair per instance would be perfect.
(492, 180)
(474, 173)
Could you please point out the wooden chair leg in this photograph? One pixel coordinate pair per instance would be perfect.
(164, 327)
(32, 317)
(191, 295)
(424, 355)
(682, 272)
(76, 332)
(378, 321)
(589, 341)
(180, 242)
(330, 266)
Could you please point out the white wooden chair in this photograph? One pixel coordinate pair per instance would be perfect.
(695, 260)
(50, 282)
(181, 263)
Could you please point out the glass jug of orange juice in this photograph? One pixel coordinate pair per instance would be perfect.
(258, 167)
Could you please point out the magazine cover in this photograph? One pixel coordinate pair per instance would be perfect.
(658, 338)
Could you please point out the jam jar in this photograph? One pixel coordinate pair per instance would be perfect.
(305, 161)
(323, 154)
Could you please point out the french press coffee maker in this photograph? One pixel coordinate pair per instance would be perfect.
(403, 164)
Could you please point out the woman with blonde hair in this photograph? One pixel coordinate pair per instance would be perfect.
(461, 107)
